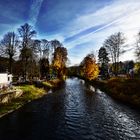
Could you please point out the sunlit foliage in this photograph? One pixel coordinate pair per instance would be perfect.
(137, 68)
(89, 68)
(59, 61)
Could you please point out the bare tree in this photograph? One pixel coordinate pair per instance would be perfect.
(26, 33)
(45, 48)
(55, 44)
(36, 47)
(8, 47)
(137, 51)
(41, 47)
(115, 47)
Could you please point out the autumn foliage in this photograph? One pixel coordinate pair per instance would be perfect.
(89, 68)
(59, 61)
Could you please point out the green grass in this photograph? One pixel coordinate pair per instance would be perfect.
(48, 84)
(5, 108)
(52, 83)
(30, 92)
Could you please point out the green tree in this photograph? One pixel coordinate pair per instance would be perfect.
(28, 60)
(44, 67)
(26, 33)
(103, 59)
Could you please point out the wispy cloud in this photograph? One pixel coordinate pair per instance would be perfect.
(88, 32)
(118, 16)
(118, 24)
(111, 12)
(35, 9)
(82, 28)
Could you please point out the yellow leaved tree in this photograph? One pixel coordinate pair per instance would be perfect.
(89, 68)
(59, 61)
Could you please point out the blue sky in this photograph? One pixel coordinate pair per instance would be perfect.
(82, 25)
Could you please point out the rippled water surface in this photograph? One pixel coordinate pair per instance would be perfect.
(75, 111)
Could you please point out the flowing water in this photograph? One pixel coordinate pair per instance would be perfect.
(75, 111)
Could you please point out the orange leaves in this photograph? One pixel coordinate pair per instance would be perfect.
(90, 69)
(60, 57)
(59, 60)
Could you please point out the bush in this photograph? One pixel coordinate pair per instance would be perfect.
(124, 89)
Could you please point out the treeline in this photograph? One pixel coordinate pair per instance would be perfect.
(109, 56)
(88, 68)
(109, 63)
(27, 57)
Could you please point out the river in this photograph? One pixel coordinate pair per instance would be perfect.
(75, 111)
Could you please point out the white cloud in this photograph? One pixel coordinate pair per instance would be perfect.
(105, 15)
(121, 16)
(52, 37)
(34, 11)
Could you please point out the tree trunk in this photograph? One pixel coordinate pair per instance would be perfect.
(10, 64)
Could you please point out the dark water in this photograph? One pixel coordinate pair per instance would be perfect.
(74, 112)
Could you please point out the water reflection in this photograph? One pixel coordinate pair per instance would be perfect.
(74, 111)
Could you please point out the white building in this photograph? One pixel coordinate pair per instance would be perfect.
(5, 79)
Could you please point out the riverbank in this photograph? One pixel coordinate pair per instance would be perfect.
(30, 92)
(123, 89)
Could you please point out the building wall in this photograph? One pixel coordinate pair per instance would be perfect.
(10, 78)
(3, 78)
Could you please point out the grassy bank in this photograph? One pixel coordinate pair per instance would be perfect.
(52, 83)
(30, 92)
(122, 89)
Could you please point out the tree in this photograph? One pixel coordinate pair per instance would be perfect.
(55, 43)
(89, 68)
(36, 47)
(103, 56)
(137, 69)
(42, 48)
(44, 67)
(45, 48)
(26, 57)
(59, 61)
(137, 51)
(103, 59)
(26, 33)
(114, 45)
(8, 47)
